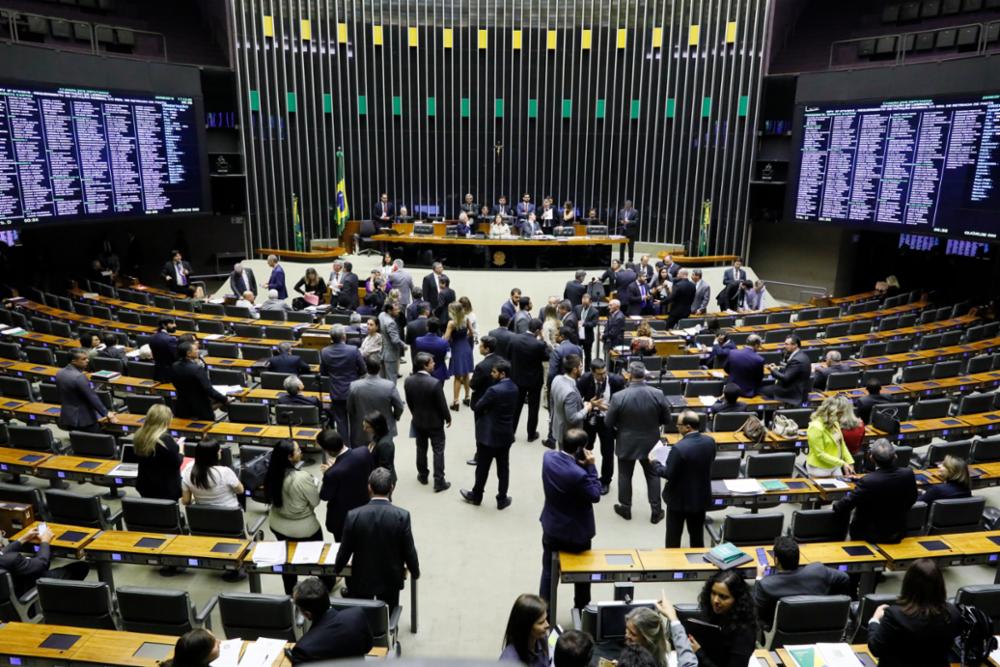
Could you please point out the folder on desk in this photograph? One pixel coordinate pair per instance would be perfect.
(727, 556)
(774, 485)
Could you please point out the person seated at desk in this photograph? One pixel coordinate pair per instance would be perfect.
(530, 227)
(332, 634)
(91, 344)
(273, 302)
(26, 571)
(207, 481)
(921, 627)
(568, 213)
(195, 648)
(485, 216)
(499, 228)
(293, 495)
(286, 362)
(646, 639)
(403, 215)
(718, 354)
(642, 341)
(881, 499)
(793, 381)
(246, 301)
(788, 578)
(573, 649)
(592, 218)
(462, 228)
(731, 402)
(954, 473)
(831, 364)
(312, 288)
(526, 638)
(852, 428)
(726, 601)
(828, 453)
(865, 404)
(293, 394)
(159, 456)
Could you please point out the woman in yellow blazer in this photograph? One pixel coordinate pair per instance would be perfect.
(827, 451)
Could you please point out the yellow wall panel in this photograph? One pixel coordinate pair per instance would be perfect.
(551, 40)
(377, 35)
(694, 35)
(342, 33)
(515, 39)
(657, 38)
(484, 39)
(586, 38)
(622, 38)
(413, 37)
(448, 38)
(731, 32)
(268, 26)
(305, 30)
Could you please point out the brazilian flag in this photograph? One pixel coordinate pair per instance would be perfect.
(705, 227)
(300, 239)
(342, 212)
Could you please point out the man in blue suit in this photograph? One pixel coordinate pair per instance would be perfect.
(277, 279)
(436, 346)
(735, 274)
(494, 411)
(509, 307)
(571, 487)
(746, 367)
(163, 345)
(342, 364)
(525, 207)
(286, 362)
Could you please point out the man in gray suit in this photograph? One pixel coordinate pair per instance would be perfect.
(402, 280)
(523, 317)
(567, 407)
(702, 293)
(392, 343)
(735, 273)
(372, 394)
(636, 414)
(273, 302)
(80, 407)
(242, 280)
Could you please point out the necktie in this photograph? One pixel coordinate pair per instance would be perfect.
(181, 280)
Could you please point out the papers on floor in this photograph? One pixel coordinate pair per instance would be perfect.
(832, 484)
(307, 552)
(227, 389)
(708, 401)
(229, 653)
(262, 653)
(660, 453)
(270, 553)
(747, 486)
(827, 655)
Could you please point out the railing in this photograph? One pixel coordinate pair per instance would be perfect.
(794, 291)
(83, 36)
(902, 47)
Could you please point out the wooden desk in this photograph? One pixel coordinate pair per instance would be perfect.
(687, 565)
(861, 650)
(262, 433)
(67, 541)
(982, 548)
(304, 256)
(800, 490)
(17, 461)
(598, 565)
(843, 319)
(984, 421)
(935, 547)
(199, 551)
(838, 555)
(77, 468)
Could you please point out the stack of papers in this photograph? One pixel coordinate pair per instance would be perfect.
(125, 470)
(229, 653)
(823, 655)
(213, 336)
(227, 389)
(307, 553)
(331, 554)
(270, 553)
(13, 331)
(745, 486)
(660, 453)
(262, 653)
(708, 401)
(832, 484)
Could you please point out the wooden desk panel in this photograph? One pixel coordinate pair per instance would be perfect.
(843, 319)
(990, 420)
(21, 460)
(688, 564)
(594, 565)
(119, 648)
(61, 534)
(112, 542)
(197, 546)
(25, 639)
(78, 465)
(513, 241)
(834, 554)
(981, 547)
(911, 548)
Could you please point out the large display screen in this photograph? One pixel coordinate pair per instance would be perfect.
(923, 166)
(71, 154)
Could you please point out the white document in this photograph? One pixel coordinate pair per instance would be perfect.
(750, 486)
(718, 374)
(270, 553)
(995, 655)
(660, 453)
(307, 552)
(832, 483)
(708, 401)
(331, 554)
(125, 470)
(837, 655)
(229, 653)
(227, 389)
(262, 653)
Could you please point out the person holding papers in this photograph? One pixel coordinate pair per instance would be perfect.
(688, 471)
(293, 495)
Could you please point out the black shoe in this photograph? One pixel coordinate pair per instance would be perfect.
(454, 407)
(656, 517)
(624, 512)
(472, 462)
(533, 436)
(442, 487)
(605, 489)
(551, 444)
(422, 479)
(470, 498)
(504, 503)
(467, 402)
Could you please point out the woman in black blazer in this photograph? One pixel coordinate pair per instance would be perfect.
(956, 484)
(382, 447)
(159, 457)
(726, 601)
(920, 628)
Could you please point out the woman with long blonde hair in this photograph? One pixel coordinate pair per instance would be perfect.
(851, 426)
(459, 335)
(159, 456)
(828, 453)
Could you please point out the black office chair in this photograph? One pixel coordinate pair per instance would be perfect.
(979, 364)
(14, 608)
(946, 369)
(763, 465)
(730, 421)
(823, 525)
(888, 323)
(140, 369)
(916, 519)
(858, 328)
(252, 615)
(703, 388)
(362, 240)
(212, 327)
(847, 380)
(899, 345)
(873, 349)
(863, 611)
(161, 611)
(726, 466)
(139, 404)
(837, 330)
(13, 387)
(776, 336)
(936, 408)
(279, 333)
(81, 604)
(308, 355)
(248, 330)
(297, 415)
(107, 364)
(37, 355)
(217, 349)
(683, 362)
(272, 315)
(938, 450)
(299, 316)
(899, 410)
(35, 438)
(12, 350)
(985, 598)
(382, 621)
(79, 510)
(973, 403)
(951, 338)
(748, 529)
(810, 619)
(248, 413)
(223, 522)
(754, 320)
(26, 495)
(227, 376)
(269, 380)
(883, 375)
(152, 515)
(671, 387)
(256, 352)
(956, 515)
(985, 450)
(93, 445)
(918, 373)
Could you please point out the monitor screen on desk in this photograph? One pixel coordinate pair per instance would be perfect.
(611, 618)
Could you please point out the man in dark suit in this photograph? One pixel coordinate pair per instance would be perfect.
(874, 397)
(688, 472)
(644, 268)
(792, 383)
(527, 354)
(293, 395)
(525, 207)
(564, 348)
(382, 211)
(502, 207)
(26, 571)
(345, 479)
(286, 362)
(342, 364)
(523, 317)
(681, 298)
(610, 276)
(332, 634)
(503, 335)
(80, 407)
(789, 579)
(430, 414)
(636, 414)
(430, 285)
(433, 344)
(571, 486)
(417, 327)
(746, 367)
(730, 402)
(242, 280)
(575, 289)
(625, 277)
(586, 316)
(469, 206)
(482, 375)
(628, 226)
(831, 364)
(510, 306)
(631, 299)
(163, 345)
(735, 274)
(413, 310)
(494, 410)
(177, 274)
(348, 296)
(195, 392)
(379, 537)
(614, 331)
(880, 499)
(446, 297)
(111, 349)
(601, 384)
(276, 281)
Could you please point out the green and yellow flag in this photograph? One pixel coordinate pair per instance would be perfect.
(705, 227)
(342, 212)
(300, 239)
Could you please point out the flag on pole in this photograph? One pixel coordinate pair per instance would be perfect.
(342, 211)
(300, 239)
(706, 224)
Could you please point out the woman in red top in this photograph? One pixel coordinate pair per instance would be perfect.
(851, 427)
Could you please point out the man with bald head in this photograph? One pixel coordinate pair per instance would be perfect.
(614, 332)
(681, 299)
